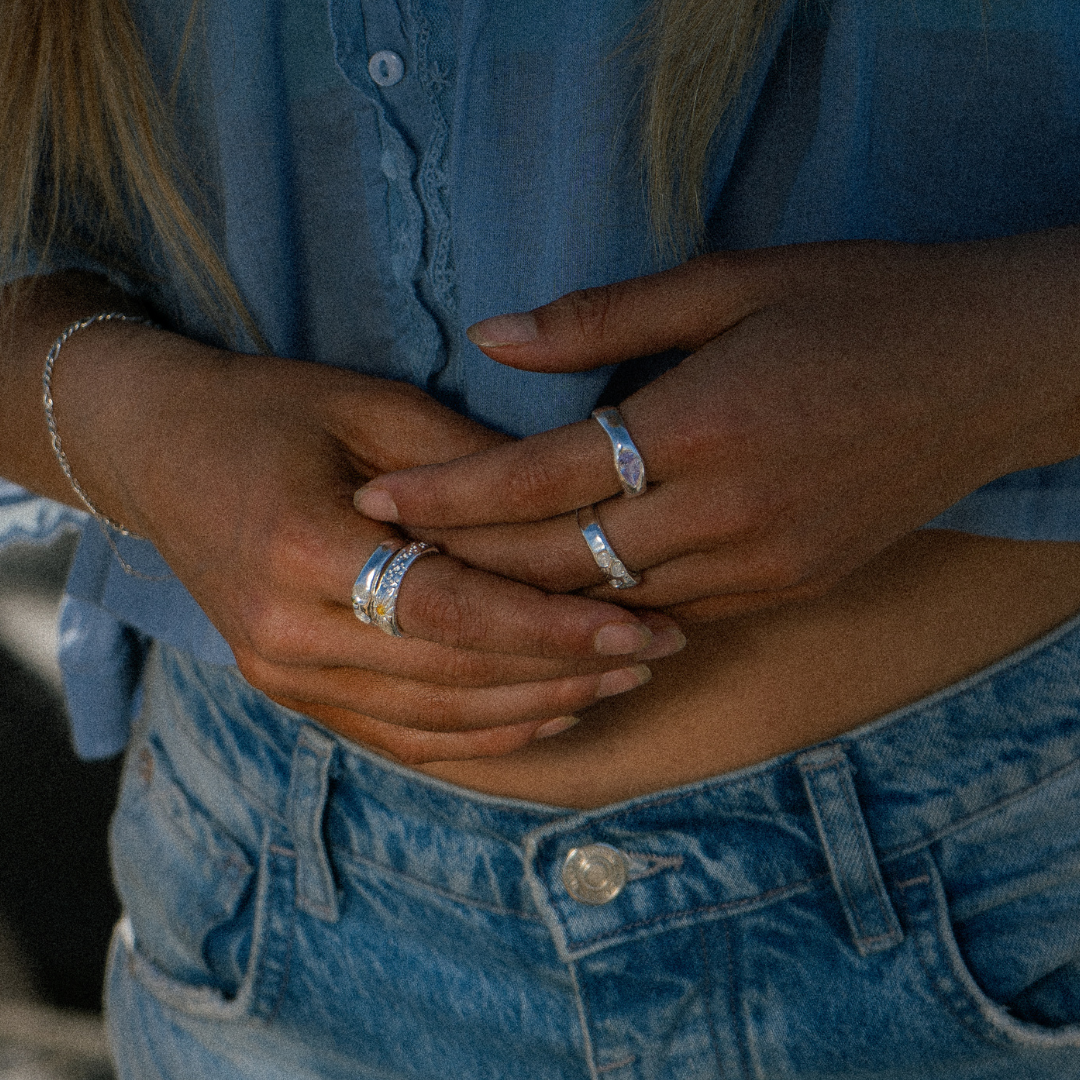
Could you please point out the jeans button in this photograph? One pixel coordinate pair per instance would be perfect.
(595, 873)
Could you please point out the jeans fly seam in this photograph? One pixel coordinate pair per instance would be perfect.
(583, 1020)
(286, 970)
(708, 1000)
(735, 1014)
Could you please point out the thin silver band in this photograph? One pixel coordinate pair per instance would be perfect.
(383, 607)
(628, 462)
(366, 581)
(50, 418)
(602, 551)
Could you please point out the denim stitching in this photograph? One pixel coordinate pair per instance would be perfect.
(870, 865)
(737, 1030)
(887, 855)
(583, 1020)
(616, 1064)
(930, 949)
(656, 864)
(880, 725)
(353, 861)
(729, 906)
(708, 1000)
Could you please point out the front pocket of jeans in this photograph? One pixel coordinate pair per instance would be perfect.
(190, 891)
(929, 923)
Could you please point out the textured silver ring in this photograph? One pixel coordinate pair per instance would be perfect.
(364, 587)
(383, 608)
(602, 551)
(628, 463)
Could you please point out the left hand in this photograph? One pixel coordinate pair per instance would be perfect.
(837, 397)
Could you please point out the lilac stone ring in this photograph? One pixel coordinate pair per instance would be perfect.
(628, 463)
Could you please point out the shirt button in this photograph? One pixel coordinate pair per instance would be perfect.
(595, 873)
(386, 68)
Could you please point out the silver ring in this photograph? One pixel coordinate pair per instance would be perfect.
(604, 554)
(628, 462)
(364, 587)
(383, 606)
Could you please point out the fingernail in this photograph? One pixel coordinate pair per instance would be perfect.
(556, 726)
(503, 330)
(617, 639)
(375, 503)
(618, 682)
(665, 642)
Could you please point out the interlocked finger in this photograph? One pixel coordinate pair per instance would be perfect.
(428, 707)
(413, 747)
(541, 477)
(443, 601)
(638, 531)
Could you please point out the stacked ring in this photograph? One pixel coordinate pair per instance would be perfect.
(375, 593)
(628, 462)
(602, 551)
(364, 587)
(383, 607)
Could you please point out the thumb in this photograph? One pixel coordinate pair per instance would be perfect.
(680, 308)
(388, 426)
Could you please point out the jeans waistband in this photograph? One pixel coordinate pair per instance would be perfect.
(841, 810)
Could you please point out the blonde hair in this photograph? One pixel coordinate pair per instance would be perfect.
(697, 54)
(87, 138)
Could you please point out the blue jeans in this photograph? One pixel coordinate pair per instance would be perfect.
(902, 901)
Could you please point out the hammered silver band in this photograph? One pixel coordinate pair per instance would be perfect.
(629, 465)
(602, 551)
(383, 606)
(364, 587)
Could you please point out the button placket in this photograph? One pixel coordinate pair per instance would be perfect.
(386, 68)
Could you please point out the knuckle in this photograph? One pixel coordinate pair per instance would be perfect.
(463, 667)
(695, 438)
(439, 707)
(748, 513)
(270, 634)
(590, 312)
(532, 482)
(450, 614)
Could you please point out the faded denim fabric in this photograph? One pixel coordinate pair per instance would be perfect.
(902, 901)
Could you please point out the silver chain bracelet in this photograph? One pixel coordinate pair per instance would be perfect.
(102, 519)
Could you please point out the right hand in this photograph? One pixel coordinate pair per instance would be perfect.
(241, 470)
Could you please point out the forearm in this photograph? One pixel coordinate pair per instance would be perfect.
(32, 315)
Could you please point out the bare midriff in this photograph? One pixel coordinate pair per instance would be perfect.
(932, 609)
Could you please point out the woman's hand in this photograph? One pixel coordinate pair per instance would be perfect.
(242, 469)
(836, 397)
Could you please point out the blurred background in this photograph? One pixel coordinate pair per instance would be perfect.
(57, 905)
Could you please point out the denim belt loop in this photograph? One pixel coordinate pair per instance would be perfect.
(826, 775)
(309, 784)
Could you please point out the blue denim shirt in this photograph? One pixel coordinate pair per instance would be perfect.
(368, 223)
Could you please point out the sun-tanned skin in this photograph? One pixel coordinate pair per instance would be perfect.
(839, 395)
